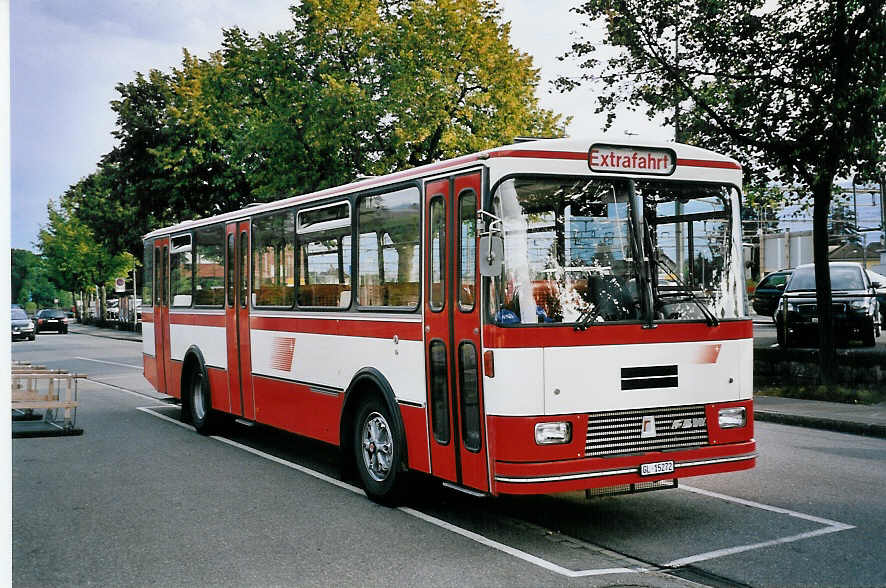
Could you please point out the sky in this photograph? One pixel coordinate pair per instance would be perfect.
(67, 56)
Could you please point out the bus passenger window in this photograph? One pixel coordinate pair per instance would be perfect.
(389, 249)
(209, 256)
(181, 271)
(273, 260)
(324, 256)
(148, 275)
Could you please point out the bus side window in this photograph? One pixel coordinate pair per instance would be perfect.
(388, 263)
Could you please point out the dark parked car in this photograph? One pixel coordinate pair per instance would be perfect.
(22, 326)
(52, 320)
(879, 283)
(856, 312)
(768, 292)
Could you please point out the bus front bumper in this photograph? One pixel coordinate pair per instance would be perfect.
(591, 473)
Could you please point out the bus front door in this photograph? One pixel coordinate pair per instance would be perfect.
(237, 297)
(161, 313)
(456, 422)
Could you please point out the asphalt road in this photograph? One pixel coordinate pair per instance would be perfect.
(141, 500)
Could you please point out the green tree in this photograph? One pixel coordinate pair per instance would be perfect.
(74, 260)
(796, 90)
(354, 87)
(23, 264)
(30, 281)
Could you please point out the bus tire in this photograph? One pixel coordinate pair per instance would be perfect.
(378, 452)
(203, 417)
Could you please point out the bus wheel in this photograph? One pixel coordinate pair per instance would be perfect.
(378, 452)
(200, 405)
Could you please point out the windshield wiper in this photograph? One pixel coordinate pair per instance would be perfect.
(688, 294)
(587, 317)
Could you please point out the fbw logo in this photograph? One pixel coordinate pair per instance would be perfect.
(648, 428)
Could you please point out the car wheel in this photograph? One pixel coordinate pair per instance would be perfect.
(65, 331)
(869, 339)
(780, 335)
(32, 337)
(203, 417)
(378, 452)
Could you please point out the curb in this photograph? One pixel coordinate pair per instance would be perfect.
(865, 429)
(107, 336)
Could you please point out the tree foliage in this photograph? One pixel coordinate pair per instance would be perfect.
(30, 282)
(75, 261)
(352, 88)
(794, 90)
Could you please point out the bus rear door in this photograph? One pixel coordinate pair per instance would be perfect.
(237, 319)
(161, 312)
(456, 424)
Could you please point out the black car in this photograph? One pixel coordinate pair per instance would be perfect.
(52, 320)
(856, 312)
(878, 281)
(22, 326)
(768, 292)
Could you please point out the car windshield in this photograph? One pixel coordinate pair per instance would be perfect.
(571, 251)
(19, 315)
(842, 278)
(51, 314)
(773, 280)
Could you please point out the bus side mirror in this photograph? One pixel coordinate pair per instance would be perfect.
(491, 255)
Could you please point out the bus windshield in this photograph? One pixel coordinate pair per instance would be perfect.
(574, 255)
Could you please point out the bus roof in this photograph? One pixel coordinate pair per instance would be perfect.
(541, 149)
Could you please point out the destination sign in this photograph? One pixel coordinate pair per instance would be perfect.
(620, 159)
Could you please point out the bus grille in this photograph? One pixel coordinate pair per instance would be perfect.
(618, 432)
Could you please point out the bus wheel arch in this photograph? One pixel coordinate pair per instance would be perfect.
(370, 397)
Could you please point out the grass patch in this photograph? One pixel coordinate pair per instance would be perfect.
(835, 393)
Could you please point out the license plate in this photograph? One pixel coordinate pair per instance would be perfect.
(654, 469)
(814, 320)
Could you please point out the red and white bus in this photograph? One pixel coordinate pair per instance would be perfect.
(547, 316)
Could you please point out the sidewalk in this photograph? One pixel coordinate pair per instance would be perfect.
(107, 333)
(858, 419)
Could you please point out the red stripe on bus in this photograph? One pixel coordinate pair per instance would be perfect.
(536, 154)
(202, 320)
(567, 336)
(708, 163)
(408, 331)
(147, 317)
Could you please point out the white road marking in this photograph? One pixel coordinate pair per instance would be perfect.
(742, 548)
(129, 365)
(829, 527)
(774, 345)
(512, 551)
(779, 510)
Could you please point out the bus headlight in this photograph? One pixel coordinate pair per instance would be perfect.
(553, 433)
(732, 418)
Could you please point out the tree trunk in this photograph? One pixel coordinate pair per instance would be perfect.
(821, 192)
(102, 302)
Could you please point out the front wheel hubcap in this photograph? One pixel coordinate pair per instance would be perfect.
(377, 446)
